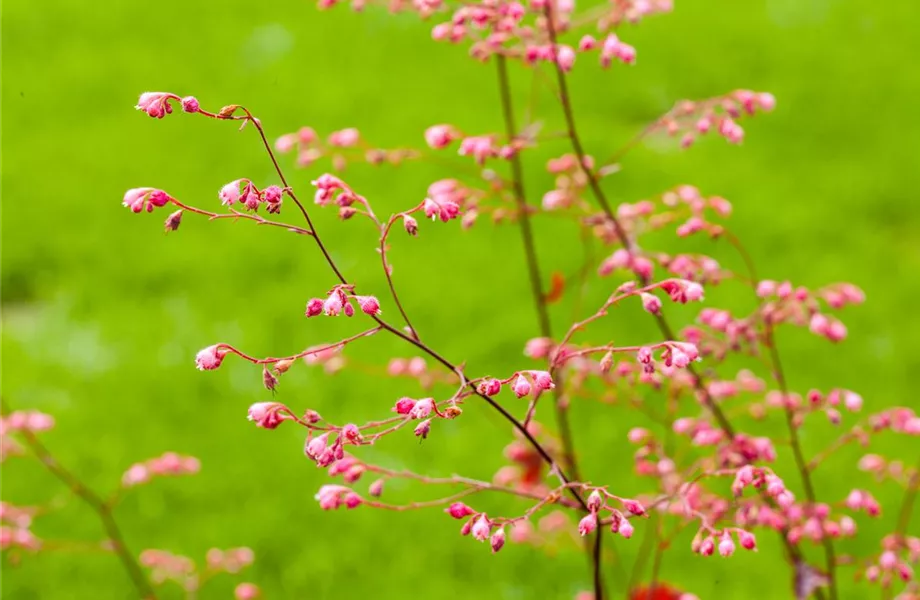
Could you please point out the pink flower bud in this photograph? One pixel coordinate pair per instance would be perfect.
(352, 500)
(246, 591)
(190, 104)
(565, 58)
(595, 501)
(351, 433)
(272, 194)
(439, 136)
(333, 305)
(626, 529)
(459, 510)
(852, 401)
(404, 406)
(423, 429)
(314, 307)
(369, 305)
(490, 387)
(638, 435)
(315, 447)
(587, 42)
(410, 224)
(726, 545)
(538, 348)
(587, 524)
(481, 528)
(542, 380)
(210, 358)
(888, 560)
(497, 541)
(521, 387)
(375, 489)
(634, 507)
(707, 547)
(173, 221)
(747, 540)
(269, 380)
(651, 303)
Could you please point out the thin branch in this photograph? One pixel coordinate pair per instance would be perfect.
(95, 502)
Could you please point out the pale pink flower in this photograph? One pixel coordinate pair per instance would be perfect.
(210, 358)
(521, 387)
(344, 138)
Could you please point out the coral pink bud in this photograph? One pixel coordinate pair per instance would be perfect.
(651, 303)
(410, 224)
(587, 42)
(538, 347)
(595, 501)
(497, 541)
(246, 591)
(190, 104)
(481, 528)
(352, 500)
(344, 138)
(747, 540)
(490, 387)
(634, 507)
(272, 194)
(375, 489)
(459, 510)
(888, 560)
(565, 58)
(209, 358)
(785, 499)
(852, 401)
(638, 435)
(316, 446)
(423, 429)
(351, 433)
(766, 101)
(521, 387)
(587, 524)
(707, 547)
(369, 305)
(726, 545)
(543, 380)
(404, 406)
(439, 136)
(314, 307)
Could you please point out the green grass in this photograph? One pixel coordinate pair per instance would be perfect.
(102, 314)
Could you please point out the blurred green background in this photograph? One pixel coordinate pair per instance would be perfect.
(102, 313)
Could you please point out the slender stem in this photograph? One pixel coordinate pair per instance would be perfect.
(539, 299)
(96, 503)
(389, 276)
(769, 340)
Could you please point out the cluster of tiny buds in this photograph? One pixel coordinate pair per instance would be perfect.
(246, 193)
(339, 301)
(698, 118)
(619, 523)
(169, 463)
(166, 566)
(522, 383)
(799, 304)
(14, 528)
(894, 561)
(157, 104)
(705, 544)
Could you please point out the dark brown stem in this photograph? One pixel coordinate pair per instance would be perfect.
(96, 503)
(389, 276)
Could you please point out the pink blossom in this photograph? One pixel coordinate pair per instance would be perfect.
(538, 347)
(230, 193)
(266, 414)
(542, 380)
(459, 510)
(410, 224)
(423, 429)
(210, 358)
(246, 591)
(497, 541)
(315, 447)
(626, 529)
(369, 305)
(565, 57)
(587, 524)
(422, 408)
(747, 540)
(595, 501)
(190, 104)
(490, 387)
(587, 42)
(314, 307)
(404, 406)
(439, 136)
(726, 545)
(156, 104)
(344, 138)
(521, 387)
(481, 528)
(145, 199)
(651, 303)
